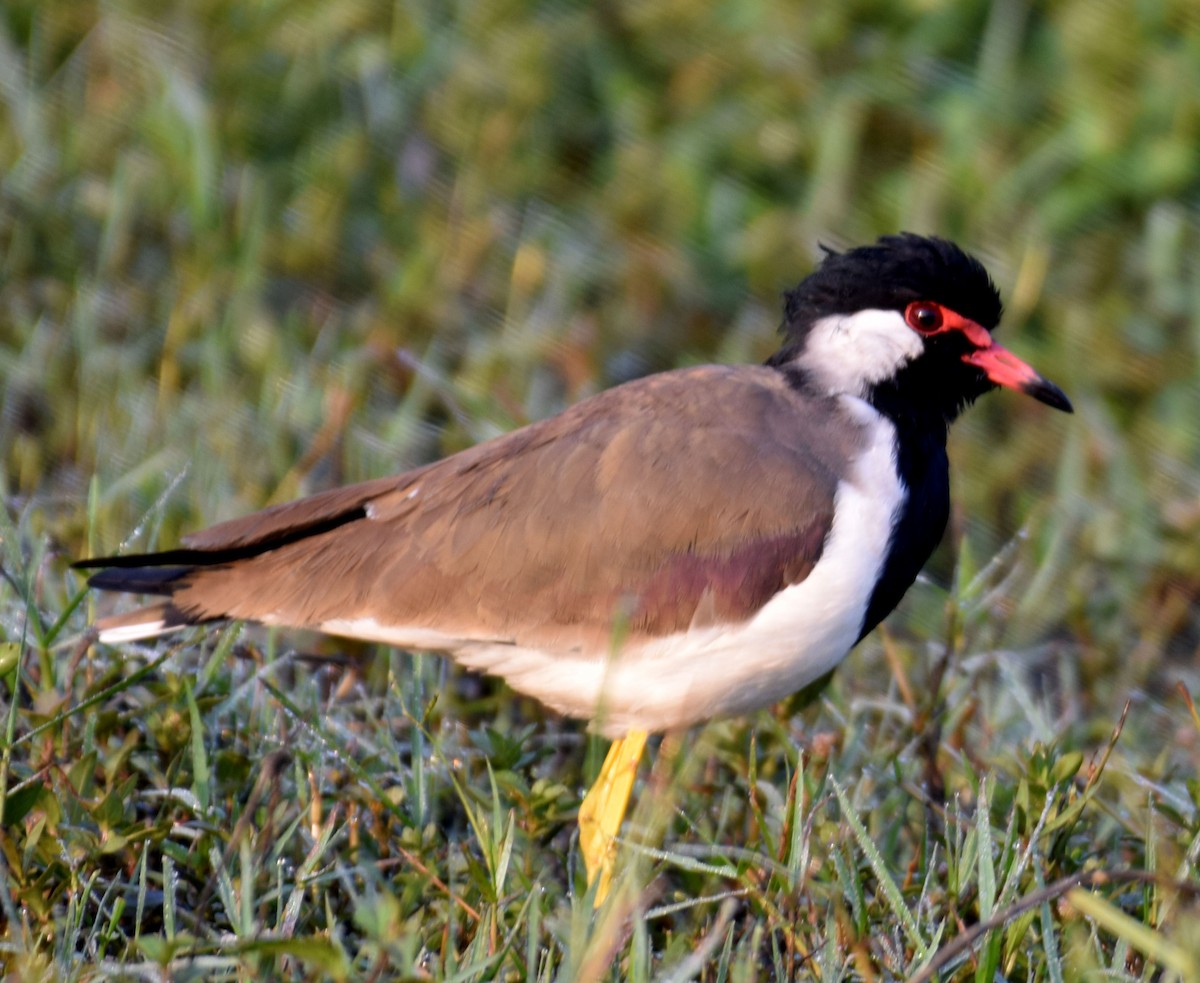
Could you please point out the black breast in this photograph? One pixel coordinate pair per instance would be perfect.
(922, 466)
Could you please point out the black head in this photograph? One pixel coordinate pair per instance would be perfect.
(890, 275)
(905, 323)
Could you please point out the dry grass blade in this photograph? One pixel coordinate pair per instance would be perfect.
(1065, 886)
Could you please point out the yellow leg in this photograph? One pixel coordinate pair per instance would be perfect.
(603, 809)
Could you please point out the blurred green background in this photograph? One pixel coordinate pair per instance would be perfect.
(252, 249)
(280, 245)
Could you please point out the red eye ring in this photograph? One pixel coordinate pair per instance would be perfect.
(924, 316)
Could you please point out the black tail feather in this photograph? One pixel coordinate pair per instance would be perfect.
(181, 558)
(138, 580)
(188, 558)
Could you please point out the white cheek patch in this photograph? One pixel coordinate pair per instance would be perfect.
(849, 353)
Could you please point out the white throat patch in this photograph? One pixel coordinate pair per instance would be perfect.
(849, 353)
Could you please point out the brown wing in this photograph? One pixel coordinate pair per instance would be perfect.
(687, 497)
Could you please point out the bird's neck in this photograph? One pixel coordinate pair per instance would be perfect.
(912, 413)
(912, 404)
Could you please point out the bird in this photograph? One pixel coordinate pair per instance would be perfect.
(693, 544)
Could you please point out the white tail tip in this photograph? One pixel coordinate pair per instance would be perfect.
(118, 634)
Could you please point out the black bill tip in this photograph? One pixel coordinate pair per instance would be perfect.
(1045, 391)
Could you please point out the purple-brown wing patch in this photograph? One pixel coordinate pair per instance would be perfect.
(694, 589)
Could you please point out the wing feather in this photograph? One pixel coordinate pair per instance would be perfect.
(643, 507)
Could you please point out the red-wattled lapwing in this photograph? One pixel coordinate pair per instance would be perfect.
(693, 544)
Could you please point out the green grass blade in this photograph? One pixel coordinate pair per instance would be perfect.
(889, 887)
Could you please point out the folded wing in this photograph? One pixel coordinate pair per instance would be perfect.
(642, 509)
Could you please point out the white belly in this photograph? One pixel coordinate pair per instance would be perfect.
(674, 681)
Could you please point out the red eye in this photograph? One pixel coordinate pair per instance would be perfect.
(923, 316)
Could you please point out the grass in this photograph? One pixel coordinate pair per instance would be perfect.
(250, 251)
